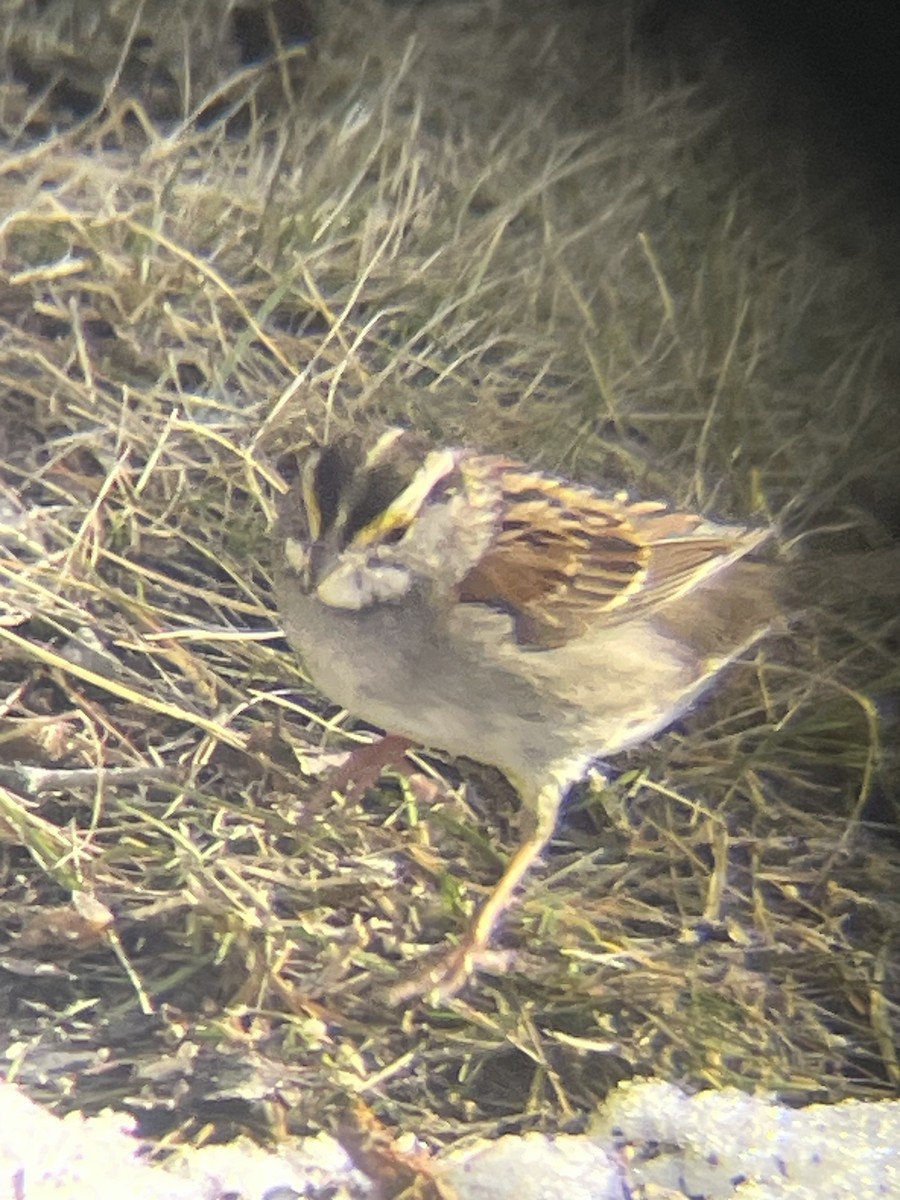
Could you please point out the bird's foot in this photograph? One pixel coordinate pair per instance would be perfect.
(447, 975)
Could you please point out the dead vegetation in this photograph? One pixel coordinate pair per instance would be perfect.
(506, 226)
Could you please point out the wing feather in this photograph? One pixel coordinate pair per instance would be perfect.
(564, 558)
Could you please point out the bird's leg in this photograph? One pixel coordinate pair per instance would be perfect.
(364, 766)
(451, 972)
(360, 770)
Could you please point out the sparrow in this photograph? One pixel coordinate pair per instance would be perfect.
(474, 604)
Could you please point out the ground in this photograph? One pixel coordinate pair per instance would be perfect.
(552, 230)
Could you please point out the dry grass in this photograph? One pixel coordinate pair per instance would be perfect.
(428, 221)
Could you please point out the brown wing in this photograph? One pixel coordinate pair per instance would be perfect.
(565, 558)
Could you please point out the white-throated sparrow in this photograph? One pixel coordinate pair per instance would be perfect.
(471, 603)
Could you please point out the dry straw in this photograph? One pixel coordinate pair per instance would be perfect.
(508, 225)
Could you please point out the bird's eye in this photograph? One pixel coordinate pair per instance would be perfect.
(394, 535)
